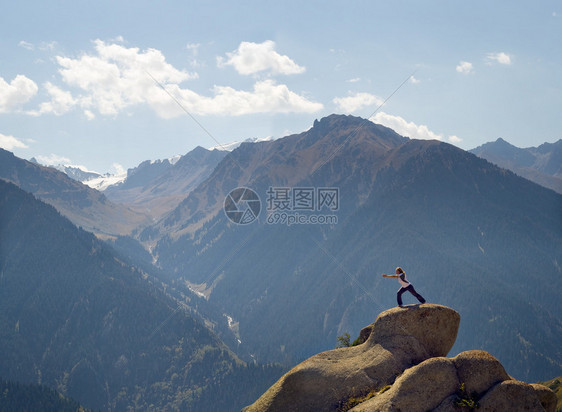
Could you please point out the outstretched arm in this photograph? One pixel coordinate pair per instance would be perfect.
(384, 275)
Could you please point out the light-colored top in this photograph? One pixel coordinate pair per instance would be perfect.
(403, 281)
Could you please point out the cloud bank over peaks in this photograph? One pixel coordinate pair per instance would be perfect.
(410, 129)
(252, 58)
(266, 97)
(114, 78)
(54, 159)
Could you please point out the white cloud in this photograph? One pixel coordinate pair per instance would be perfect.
(9, 142)
(405, 128)
(52, 160)
(48, 46)
(118, 39)
(354, 80)
(60, 103)
(193, 48)
(357, 101)
(115, 78)
(410, 129)
(15, 94)
(26, 45)
(454, 139)
(89, 115)
(251, 58)
(464, 67)
(117, 169)
(413, 80)
(501, 58)
(267, 96)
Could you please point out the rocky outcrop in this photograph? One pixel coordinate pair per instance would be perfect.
(401, 366)
(471, 379)
(400, 338)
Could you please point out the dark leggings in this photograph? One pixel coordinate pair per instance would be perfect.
(410, 289)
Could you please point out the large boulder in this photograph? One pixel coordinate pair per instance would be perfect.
(401, 366)
(547, 397)
(479, 371)
(473, 378)
(517, 396)
(400, 338)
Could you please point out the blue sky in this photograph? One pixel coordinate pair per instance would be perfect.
(82, 82)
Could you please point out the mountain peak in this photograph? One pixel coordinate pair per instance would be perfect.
(337, 118)
(335, 131)
(346, 120)
(539, 164)
(501, 141)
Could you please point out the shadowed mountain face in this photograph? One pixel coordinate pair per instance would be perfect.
(156, 188)
(542, 165)
(470, 235)
(75, 317)
(84, 206)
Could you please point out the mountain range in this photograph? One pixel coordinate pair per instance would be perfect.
(473, 236)
(78, 317)
(542, 165)
(84, 206)
(326, 212)
(155, 188)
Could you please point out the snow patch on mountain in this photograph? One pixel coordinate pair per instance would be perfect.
(229, 147)
(104, 181)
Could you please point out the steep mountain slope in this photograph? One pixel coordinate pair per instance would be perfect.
(76, 318)
(156, 188)
(84, 206)
(470, 236)
(542, 165)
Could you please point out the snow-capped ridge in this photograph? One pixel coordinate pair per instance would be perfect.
(103, 182)
(229, 147)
